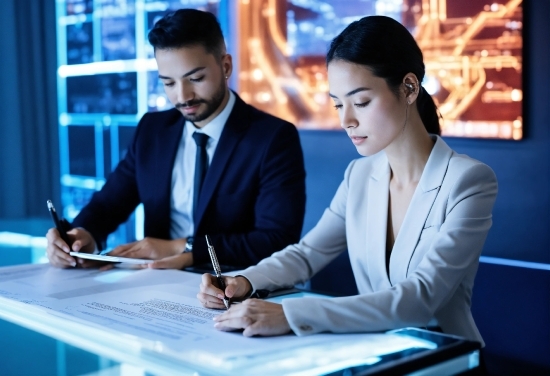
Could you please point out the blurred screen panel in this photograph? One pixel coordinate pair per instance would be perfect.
(74, 199)
(107, 156)
(118, 40)
(74, 7)
(80, 43)
(82, 160)
(472, 51)
(125, 137)
(112, 93)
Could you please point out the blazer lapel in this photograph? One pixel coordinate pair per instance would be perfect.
(377, 223)
(232, 133)
(419, 209)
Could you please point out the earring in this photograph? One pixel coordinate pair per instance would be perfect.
(411, 88)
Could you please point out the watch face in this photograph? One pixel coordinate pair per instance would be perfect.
(189, 245)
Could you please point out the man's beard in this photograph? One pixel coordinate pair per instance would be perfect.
(211, 106)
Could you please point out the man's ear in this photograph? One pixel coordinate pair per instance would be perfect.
(227, 65)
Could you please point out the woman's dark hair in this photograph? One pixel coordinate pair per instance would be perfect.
(388, 49)
(188, 27)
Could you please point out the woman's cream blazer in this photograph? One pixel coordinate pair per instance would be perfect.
(433, 262)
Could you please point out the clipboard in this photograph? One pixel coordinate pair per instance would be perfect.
(125, 260)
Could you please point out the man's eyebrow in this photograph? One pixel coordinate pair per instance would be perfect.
(185, 75)
(354, 91)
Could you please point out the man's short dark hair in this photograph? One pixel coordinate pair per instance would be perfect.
(186, 28)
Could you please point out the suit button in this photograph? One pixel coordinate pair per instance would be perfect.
(306, 328)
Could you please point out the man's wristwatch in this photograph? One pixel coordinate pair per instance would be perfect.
(188, 245)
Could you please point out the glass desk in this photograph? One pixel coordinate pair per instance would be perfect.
(27, 352)
(33, 341)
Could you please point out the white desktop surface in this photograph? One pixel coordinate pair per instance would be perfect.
(151, 319)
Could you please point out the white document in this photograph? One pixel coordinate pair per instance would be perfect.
(158, 310)
(126, 260)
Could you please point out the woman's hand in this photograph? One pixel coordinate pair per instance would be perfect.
(256, 317)
(211, 296)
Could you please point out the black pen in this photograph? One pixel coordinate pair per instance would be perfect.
(58, 224)
(217, 270)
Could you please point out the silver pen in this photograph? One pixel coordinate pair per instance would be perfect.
(217, 270)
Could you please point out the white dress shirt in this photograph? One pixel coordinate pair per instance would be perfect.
(181, 202)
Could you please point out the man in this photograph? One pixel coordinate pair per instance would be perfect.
(252, 200)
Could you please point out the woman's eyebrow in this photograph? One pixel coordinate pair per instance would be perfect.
(354, 91)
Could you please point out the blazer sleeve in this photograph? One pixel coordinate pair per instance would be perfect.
(117, 199)
(299, 262)
(455, 249)
(278, 207)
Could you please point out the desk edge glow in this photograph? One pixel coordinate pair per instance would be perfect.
(94, 339)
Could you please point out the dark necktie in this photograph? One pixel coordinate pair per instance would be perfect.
(201, 166)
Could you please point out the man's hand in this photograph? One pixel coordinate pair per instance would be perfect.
(166, 253)
(173, 262)
(256, 317)
(58, 251)
(150, 248)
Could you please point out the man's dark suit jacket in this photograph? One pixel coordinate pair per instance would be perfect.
(253, 198)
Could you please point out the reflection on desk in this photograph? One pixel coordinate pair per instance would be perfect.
(25, 352)
(151, 319)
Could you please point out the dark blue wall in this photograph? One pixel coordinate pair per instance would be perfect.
(511, 305)
(29, 163)
(11, 155)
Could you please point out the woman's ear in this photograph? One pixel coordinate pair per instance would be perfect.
(411, 86)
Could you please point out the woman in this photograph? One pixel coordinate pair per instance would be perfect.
(414, 215)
